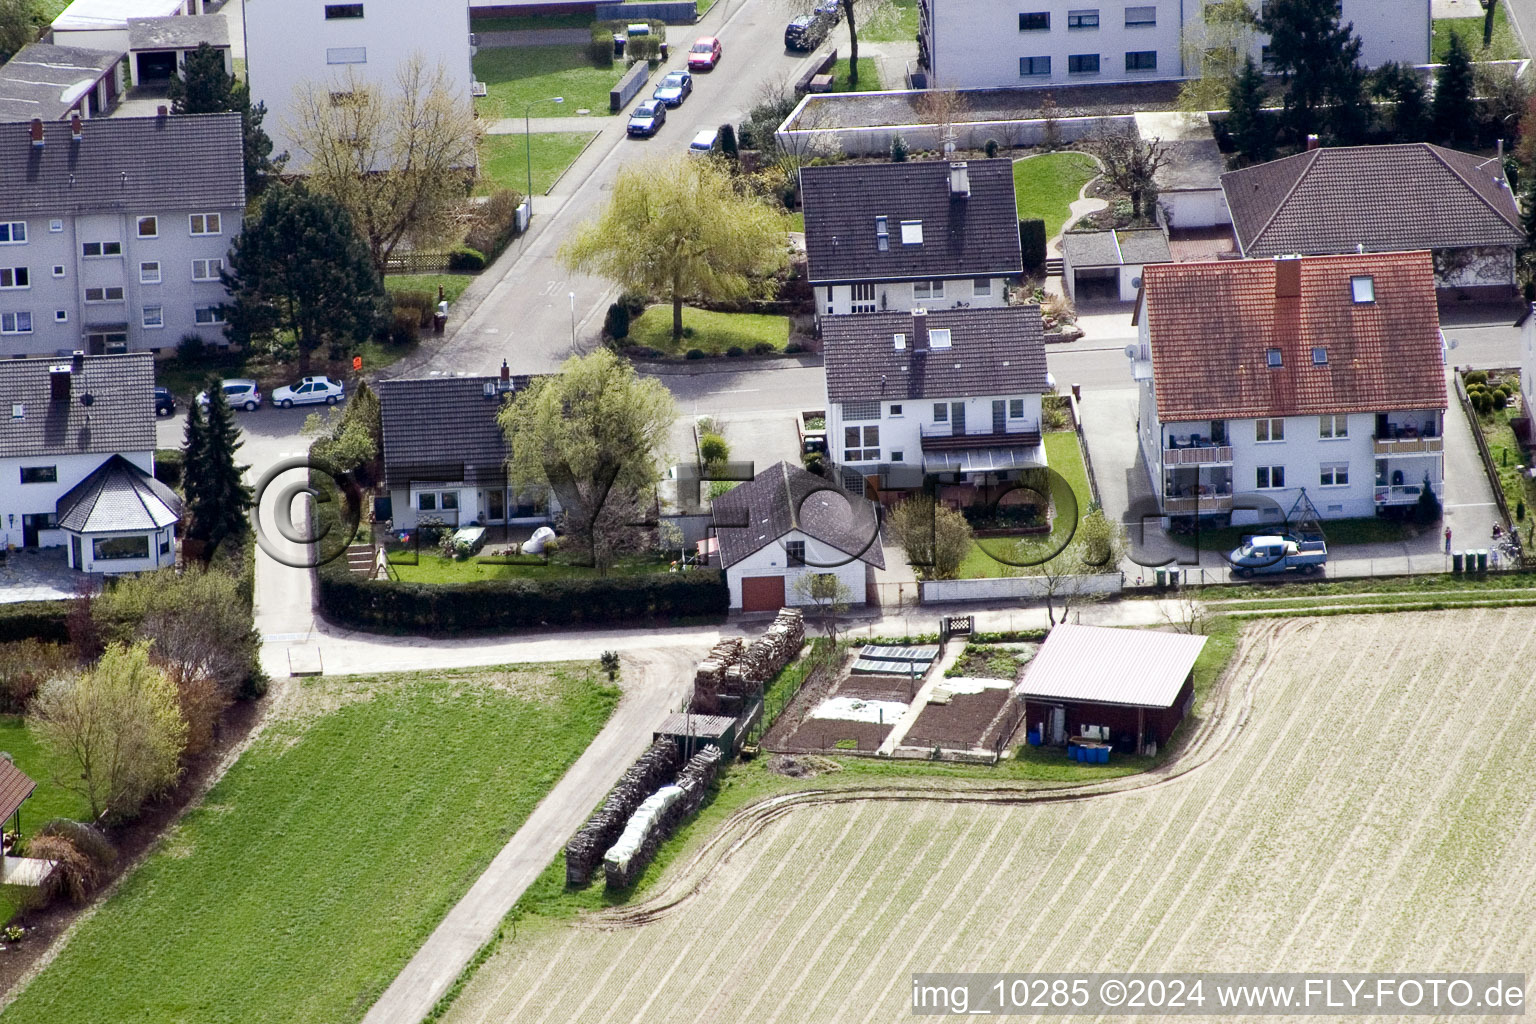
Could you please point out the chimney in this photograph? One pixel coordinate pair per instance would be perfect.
(58, 383)
(959, 180)
(74, 127)
(1499, 149)
(1311, 143)
(77, 362)
(506, 376)
(1288, 277)
(919, 330)
(37, 132)
(161, 112)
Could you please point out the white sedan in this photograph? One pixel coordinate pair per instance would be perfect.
(309, 391)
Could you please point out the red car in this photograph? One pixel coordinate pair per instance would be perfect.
(704, 54)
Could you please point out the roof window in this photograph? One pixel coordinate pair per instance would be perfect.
(882, 233)
(1319, 356)
(911, 232)
(1363, 288)
(938, 337)
(1273, 357)
(900, 341)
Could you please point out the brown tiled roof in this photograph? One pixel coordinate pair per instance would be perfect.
(1385, 198)
(783, 498)
(14, 787)
(444, 430)
(1211, 326)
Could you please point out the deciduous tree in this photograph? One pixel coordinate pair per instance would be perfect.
(827, 595)
(19, 25)
(1130, 163)
(1095, 548)
(935, 537)
(1218, 43)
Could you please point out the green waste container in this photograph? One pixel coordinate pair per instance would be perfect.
(1482, 559)
(1456, 562)
(1162, 577)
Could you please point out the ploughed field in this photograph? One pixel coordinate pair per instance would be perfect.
(1356, 796)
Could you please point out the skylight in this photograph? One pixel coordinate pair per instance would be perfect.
(1273, 357)
(911, 232)
(1363, 288)
(1319, 356)
(882, 233)
(939, 337)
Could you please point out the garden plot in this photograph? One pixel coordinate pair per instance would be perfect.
(963, 714)
(866, 699)
(1371, 812)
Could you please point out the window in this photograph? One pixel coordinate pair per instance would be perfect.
(165, 544)
(1333, 426)
(1015, 408)
(58, 270)
(449, 501)
(208, 315)
(1039, 21)
(1083, 19)
(853, 437)
(882, 233)
(1034, 66)
(13, 232)
(15, 323)
(927, 289)
(205, 223)
(39, 474)
(938, 337)
(335, 11)
(206, 270)
(863, 298)
(895, 409)
(15, 277)
(1141, 60)
(795, 549)
(1264, 55)
(111, 294)
(154, 316)
(346, 55)
(149, 227)
(1363, 288)
(857, 412)
(1083, 64)
(1319, 356)
(981, 286)
(940, 412)
(1273, 357)
(1140, 17)
(911, 232)
(1269, 429)
(61, 316)
(108, 548)
(149, 273)
(898, 456)
(426, 501)
(96, 249)
(1271, 478)
(1334, 474)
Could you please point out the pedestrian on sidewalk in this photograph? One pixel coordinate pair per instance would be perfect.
(1447, 540)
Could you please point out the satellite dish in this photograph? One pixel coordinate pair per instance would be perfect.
(87, 399)
(1130, 351)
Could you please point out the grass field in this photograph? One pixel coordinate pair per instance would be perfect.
(711, 332)
(900, 26)
(1045, 186)
(315, 868)
(48, 801)
(1371, 814)
(453, 285)
(1505, 45)
(869, 76)
(504, 160)
(1066, 458)
(515, 76)
(432, 567)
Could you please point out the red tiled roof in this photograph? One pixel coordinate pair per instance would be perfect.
(14, 788)
(1211, 326)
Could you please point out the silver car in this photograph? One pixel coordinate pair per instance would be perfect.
(240, 393)
(309, 391)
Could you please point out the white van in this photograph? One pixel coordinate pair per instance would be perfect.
(705, 142)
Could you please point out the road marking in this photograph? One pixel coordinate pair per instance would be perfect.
(1474, 504)
(738, 391)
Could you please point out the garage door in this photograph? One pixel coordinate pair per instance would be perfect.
(762, 593)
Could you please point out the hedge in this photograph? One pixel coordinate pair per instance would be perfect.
(35, 620)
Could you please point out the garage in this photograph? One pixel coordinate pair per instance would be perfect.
(1105, 266)
(762, 593)
(156, 67)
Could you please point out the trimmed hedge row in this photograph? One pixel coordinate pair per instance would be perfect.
(35, 620)
(386, 606)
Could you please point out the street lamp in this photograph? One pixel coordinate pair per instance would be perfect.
(528, 145)
(573, 323)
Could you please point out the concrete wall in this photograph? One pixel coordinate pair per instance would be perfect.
(18, 499)
(1475, 267)
(1528, 365)
(1202, 208)
(898, 296)
(1015, 588)
(773, 560)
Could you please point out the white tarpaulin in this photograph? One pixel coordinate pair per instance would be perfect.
(853, 709)
(640, 823)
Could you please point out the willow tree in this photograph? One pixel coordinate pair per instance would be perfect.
(684, 229)
(1215, 44)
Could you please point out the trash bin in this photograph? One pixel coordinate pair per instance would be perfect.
(618, 44)
(1173, 577)
(1456, 562)
(1482, 559)
(1162, 577)
(439, 323)
(663, 50)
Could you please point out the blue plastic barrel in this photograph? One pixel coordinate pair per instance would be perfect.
(1033, 737)
(1103, 755)
(1072, 752)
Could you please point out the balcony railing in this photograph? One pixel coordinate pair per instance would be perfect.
(1204, 456)
(1017, 434)
(1198, 504)
(1409, 445)
(1404, 494)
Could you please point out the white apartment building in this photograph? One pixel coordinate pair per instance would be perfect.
(293, 44)
(113, 232)
(1263, 380)
(992, 44)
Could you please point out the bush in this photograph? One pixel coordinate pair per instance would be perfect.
(600, 50)
(646, 48)
(1481, 402)
(1477, 377)
(191, 348)
(1427, 509)
(74, 876)
(714, 449)
(694, 353)
(644, 352)
(24, 666)
(634, 302)
(1032, 241)
(404, 327)
(424, 304)
(494, 223)
(616, 323)
(794, 348)
(991, 148)
(35, 620)
(465, 260)
(898, 149)
(1500, 399)
(169, 464)
(728, 141)
(763, 348)
(735, 350)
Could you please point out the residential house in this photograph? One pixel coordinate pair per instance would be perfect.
(1263, 380)
(55, 83)
(77, 462)
(293, 45)
(1385, 199)
(113, 232)
(889, 237)
(990, 44)
(445, 455)
(787, 523)
(1525, 423)
(951, 394)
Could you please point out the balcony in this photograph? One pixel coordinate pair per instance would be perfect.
(1408, 445)
(942, 437)
(1201, 504)
(1203, 455)
(1400, 494)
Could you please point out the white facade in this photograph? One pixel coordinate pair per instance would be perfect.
(904, 296)
(460, 504)
(1528, 365)
(30, 489)
(890, 434)
(773, 560)
(291, 44)
(989, 44)
(1195, 208)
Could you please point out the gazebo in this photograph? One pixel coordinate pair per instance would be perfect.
(15, 787)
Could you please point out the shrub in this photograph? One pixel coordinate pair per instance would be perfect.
(1427, 509)
(1032, 241)
(714, 449)
(898, 149)
(1500, 399)
(35, 620)
(1481, 402)
(644, 352)
(616, 323)
(494, 223)
(465, 260)
(762, 348)
(76, 872)
(634, 302)
(404, 326)
(610, 663)
(735, 350)
(169, 463)
(24, 666)
(991, 148)
(1477, 377)
(694, 353)
(424, 303)
(191, 348)
(600, 50)
(728, 141)
(794, 348)
(646, 48)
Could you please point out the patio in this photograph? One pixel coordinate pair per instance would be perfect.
(40, 574)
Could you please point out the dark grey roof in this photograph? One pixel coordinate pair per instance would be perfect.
(444, 429)
(973, 237)
(783, 498)
(120, 418)
(116, 497)
(993, 351)
(1143, 245)
(178, 32)
(188, 162)
(1090, 249)
(1190, 164)
(43, 80)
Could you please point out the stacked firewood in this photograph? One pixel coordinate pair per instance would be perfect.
(709, 680)
(585, 849)
(658, 817)
(773, 650)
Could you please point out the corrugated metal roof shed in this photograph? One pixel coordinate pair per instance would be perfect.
(1102, 665)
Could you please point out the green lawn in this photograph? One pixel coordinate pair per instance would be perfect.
(318, 865)
(704, 6)
(1066, 458)
(1505, 45)
(48, 801)
(1046, 185)
(529, 22)
(869, 76)
(453, 285)
(708, 331)
(431, 567)
(518, 75)
(901, 27)
(1507, 455)
(504, 160)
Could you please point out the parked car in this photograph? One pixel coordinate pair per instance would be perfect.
(832, 9)
(674, 88)
(165, 402)
(807, 32)
(704, 54)
(240, 393)
(309, 391)
(705, 142)
(647, 118)
(1258, 556)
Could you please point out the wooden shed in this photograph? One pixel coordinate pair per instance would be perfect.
(692, 732)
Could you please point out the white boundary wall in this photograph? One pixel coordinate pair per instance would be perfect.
(1016, 587)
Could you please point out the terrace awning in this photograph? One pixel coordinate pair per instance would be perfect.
(985, 460)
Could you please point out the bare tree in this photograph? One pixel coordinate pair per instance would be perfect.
(1185, 613)
(942, 108)
(1070, 577)
(401, 163)
(828, 595)
(1130, 163)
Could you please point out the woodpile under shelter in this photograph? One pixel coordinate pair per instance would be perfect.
(692, 733)
(1128, 687)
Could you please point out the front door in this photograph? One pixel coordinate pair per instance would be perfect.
(496, 505)
(1058, 729)
(999, 416)
(74, 550)
(957, 418)
(29, 527)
